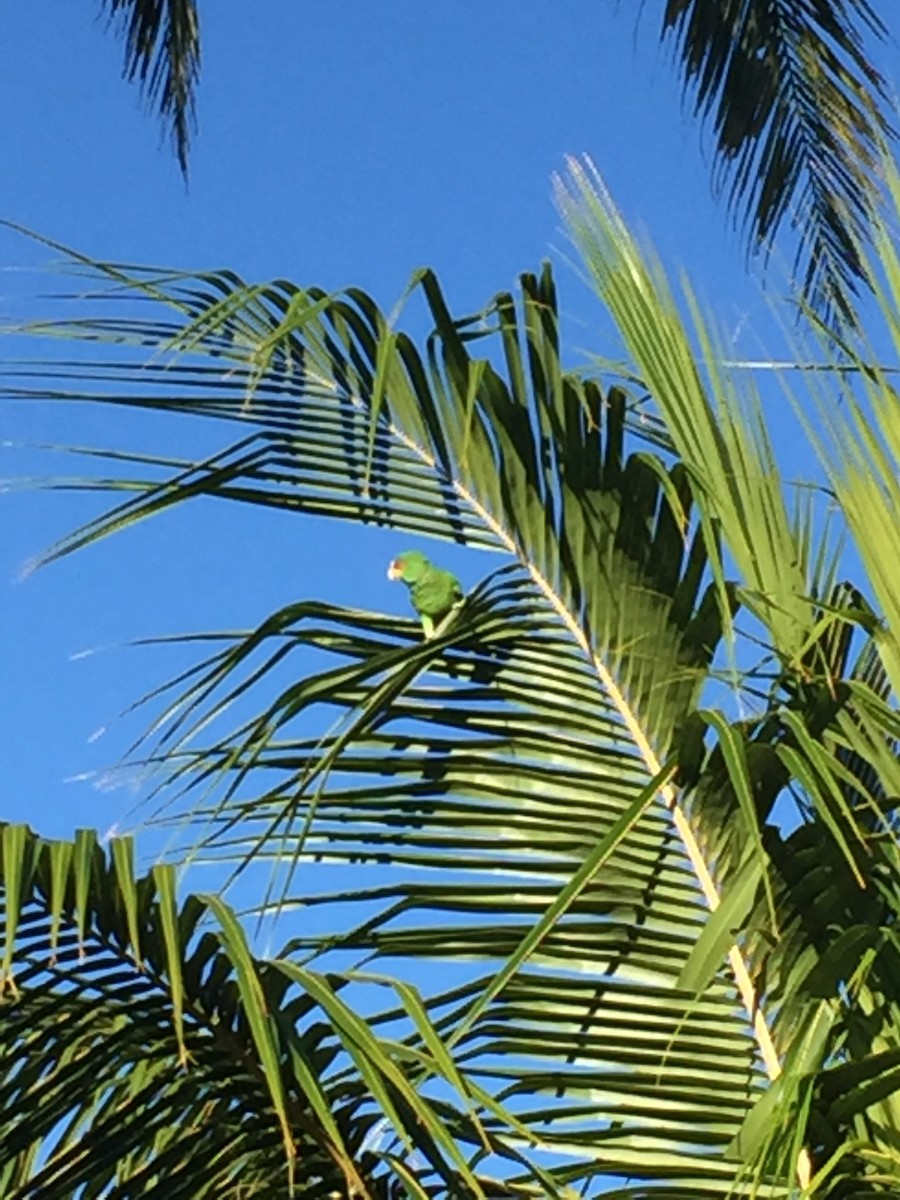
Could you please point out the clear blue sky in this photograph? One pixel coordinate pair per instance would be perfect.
(339, 144)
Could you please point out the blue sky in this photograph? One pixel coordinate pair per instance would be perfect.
(338, 145)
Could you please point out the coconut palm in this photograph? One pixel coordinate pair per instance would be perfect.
(622, 913)
(797, 108)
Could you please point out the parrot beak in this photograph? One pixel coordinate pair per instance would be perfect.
(394, 571)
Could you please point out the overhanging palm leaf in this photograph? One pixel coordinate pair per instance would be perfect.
(796, 104)
(162, 52)
(796, 115)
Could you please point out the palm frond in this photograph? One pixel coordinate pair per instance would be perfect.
(162, 52)
(798, 117)
(147, 1050)
(819, 724)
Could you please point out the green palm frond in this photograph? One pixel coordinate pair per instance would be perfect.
(797, 110)
(353, 421)
(563, 681)
(147, 1051)
(836, 879)
(162, 52)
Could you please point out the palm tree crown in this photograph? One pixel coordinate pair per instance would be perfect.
(594, 961)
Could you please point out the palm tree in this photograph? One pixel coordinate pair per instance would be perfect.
(633, 928)
(798, 112)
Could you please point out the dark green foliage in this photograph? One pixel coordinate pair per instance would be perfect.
(797, 113)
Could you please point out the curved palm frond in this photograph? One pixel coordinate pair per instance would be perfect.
(147, 1051)
(798, 116)
(797, 111)
(830, 727)
(162, 52)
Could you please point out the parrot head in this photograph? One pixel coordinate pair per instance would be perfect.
(408, 566)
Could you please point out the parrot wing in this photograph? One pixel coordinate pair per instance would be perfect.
(436, 593)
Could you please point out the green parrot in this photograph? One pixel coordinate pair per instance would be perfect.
(434, 593)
